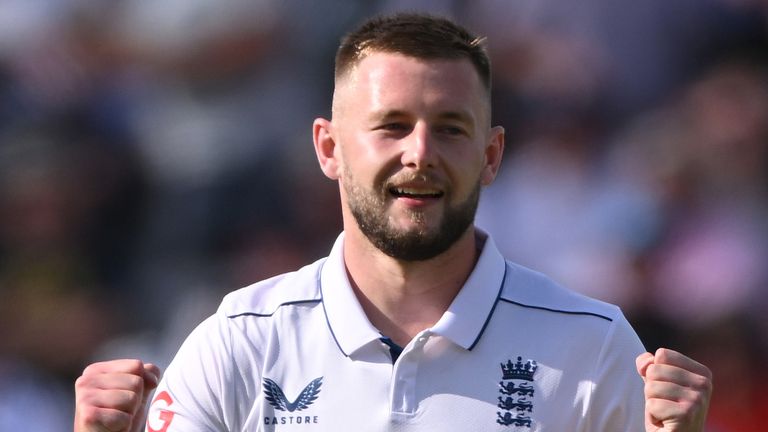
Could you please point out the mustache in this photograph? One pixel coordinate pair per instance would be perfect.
(411, 178)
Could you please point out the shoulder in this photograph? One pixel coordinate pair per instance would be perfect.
(526, 288)
(266, 297)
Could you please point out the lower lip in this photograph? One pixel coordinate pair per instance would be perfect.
(417, 202)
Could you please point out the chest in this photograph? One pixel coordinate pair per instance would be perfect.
(433, 385)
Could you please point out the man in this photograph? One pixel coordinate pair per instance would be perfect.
(414, 321)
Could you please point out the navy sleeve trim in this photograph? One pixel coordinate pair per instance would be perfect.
(273, 312)
(568, 312)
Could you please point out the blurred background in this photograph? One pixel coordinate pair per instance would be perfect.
(156, 155)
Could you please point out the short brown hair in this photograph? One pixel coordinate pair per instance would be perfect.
(416, 35)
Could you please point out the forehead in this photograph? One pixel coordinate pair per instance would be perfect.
(385, 80)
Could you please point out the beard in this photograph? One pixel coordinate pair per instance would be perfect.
(417, 244)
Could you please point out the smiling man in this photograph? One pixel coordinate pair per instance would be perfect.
(421, 131)
(414, 322)
(410, 144)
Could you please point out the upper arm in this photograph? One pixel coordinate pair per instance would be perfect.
(617, 402)
(195, 391)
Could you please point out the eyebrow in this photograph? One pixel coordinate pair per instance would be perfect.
(385, 115)
(461, 116)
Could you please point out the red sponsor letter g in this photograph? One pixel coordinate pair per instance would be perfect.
(165, 417)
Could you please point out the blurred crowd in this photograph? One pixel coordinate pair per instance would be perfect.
(156, 155)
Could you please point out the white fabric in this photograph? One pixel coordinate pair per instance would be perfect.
(304, 333)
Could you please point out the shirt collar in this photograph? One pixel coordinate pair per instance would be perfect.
(463, 322)
(346, 318)
(469, 313)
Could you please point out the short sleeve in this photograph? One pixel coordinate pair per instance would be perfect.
(193, 394)
(618, 403)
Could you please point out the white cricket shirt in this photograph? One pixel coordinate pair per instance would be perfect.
(514, 352)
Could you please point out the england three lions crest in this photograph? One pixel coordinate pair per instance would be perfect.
(516, 393)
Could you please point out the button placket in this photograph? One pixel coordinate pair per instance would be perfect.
(404, 375)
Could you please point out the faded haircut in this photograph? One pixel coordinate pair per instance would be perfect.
(416, 35)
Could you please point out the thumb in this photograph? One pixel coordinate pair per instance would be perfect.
(151, 377)
(151, 380)
(642, 362)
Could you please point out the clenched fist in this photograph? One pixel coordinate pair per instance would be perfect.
(112, 396)
(677, 391)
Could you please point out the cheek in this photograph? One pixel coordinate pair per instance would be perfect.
(360, 150)
(357, 171)
(372, 163)
(466, 169)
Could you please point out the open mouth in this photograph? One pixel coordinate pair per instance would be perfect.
(415, 193)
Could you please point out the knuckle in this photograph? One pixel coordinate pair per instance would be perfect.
(83, 385)
(652, 372)
(131, 366)
(132, 399)
(135, 365)
(88, 414)
(117, 420)
(703, 383)
(663, 355)
(697, 399)
(652, 405)
(650, 389)
(135, 382)
(99, 419)
(81, 382)
(91, 369)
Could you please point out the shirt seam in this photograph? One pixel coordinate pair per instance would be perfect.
(555, 310)
(266, 315)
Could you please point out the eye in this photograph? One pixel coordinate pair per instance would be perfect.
(452, 130)
(393, 127)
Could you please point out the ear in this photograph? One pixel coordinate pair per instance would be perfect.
(325, 148)
(493, 153)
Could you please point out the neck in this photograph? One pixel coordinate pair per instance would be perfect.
(403, 298)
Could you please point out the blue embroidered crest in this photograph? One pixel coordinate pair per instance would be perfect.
(275, 396)
(516, 393)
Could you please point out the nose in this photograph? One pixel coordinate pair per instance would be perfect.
(419, 149)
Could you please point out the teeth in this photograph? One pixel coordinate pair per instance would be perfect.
(417, 192)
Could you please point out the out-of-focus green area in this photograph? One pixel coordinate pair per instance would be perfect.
(155, 155)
